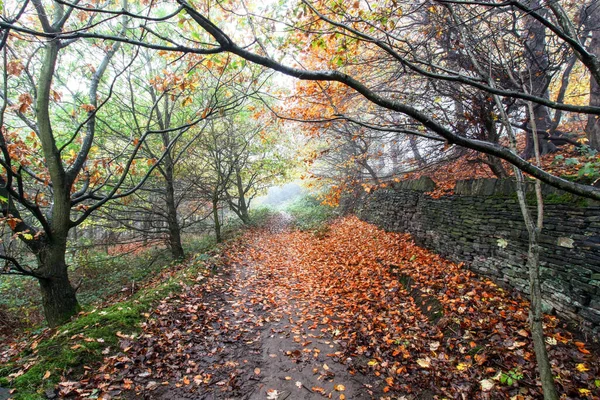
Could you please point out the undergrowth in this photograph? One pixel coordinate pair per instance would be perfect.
(309, 214)
(50, 356)
(64, 353)
(98, 275)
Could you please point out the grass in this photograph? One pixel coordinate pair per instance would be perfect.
(309, 214)
(123, 270)
(260, 215)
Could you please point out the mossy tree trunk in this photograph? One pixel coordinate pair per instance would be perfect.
(58, 295)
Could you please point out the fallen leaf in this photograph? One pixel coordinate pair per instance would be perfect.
(582, 367)
(424, 362)
(486, 384)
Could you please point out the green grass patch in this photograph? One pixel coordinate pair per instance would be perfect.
(565, 198)
(309, 214)
(260, 215)
(93, 267)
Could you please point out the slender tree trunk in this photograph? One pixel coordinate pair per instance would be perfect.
(592, 128)
(242, 205)
(173, 224)
(415, 149)
(58, 295)
(533, 257)
(395, 154)
(533, 261)
(536, 317)
(591, 17)
(215, 209)
(168, 173)
(535, 288)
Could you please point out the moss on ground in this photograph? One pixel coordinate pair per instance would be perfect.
(80, 343)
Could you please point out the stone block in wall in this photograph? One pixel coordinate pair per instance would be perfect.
(423, 184)
(591, 315)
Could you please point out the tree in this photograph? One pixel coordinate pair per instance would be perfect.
(240, 155)
(169, 91)
(591, 16)
(47, 197)
(258, 157)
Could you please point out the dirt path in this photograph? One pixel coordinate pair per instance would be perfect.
(251, 339)
(299, 359)
(293, 315)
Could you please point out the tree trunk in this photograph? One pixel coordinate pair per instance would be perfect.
(536, 319)
(215, 209)
(537, 80)
(536, 316)
(415, 149)
(58, 295)
(174, 228)
(591, 16)
(495, 165)
(592, 128)
(534, 229)
(242, 205)
(244, 214)
(175, 240)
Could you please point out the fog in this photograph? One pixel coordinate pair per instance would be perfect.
(278, 196)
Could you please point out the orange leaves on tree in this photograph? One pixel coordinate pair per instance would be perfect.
(88, 107)
(15, 67)
(25, 101)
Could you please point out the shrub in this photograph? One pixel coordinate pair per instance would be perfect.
(309, 214)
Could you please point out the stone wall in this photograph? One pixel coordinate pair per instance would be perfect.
(481, 225)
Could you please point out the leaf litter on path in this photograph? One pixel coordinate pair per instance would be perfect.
(295, 316)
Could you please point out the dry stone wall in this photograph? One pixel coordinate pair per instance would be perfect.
(481, 225)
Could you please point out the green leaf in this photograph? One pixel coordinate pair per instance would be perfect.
(571, 161)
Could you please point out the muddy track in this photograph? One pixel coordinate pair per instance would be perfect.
(251, 347)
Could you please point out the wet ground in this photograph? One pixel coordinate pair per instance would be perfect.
(230, 340)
